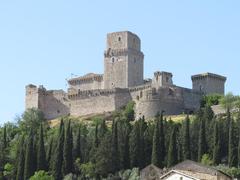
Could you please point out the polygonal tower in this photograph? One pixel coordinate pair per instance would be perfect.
(123, 61)
(209, 83)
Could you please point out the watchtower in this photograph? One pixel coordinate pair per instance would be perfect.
(34, 97)
(209, 83)
(123, 61)
(162, 79)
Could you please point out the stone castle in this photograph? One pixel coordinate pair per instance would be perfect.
(123, 81)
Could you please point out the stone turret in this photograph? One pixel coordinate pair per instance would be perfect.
(209, 83)
(162, 79)
(34, 96)
(123, 63)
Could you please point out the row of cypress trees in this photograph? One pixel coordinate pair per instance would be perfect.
(32, 155)
(127, 145)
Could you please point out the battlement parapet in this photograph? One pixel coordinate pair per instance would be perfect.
(159, 73)
(211, 75)
(31, 86)
(93, 93)
(140, 88)
(85, 79)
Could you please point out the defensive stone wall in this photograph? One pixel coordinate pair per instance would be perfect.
(98, 101)
(52, 103)
(191, 99)
(55, 103)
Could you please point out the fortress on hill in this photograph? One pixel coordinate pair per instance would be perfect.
(123, 81)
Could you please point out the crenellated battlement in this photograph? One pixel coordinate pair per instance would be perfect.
(85, 79)
(93, 93)
(140, 88)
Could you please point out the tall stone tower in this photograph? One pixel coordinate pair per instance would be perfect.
(209, 83)
(123, 61)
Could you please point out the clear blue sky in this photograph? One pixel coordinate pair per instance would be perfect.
(43, 42)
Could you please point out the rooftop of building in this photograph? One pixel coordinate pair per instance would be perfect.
(88, 76)
(123, 32)
(208, 74)
(163, 72)
(192, 166)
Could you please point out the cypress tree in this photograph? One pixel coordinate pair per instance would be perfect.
(126, 158)
(216, 145)
(239, 149)
(238, 124)
(115, 151)
(41, 153)
(156, 152)
(34, 160)
(135, 145)
(172, 150)
(202, 147)
(49, 153)
(208, 113)
(20, 162)
(67, 153)
(29, 156)
(96, 140)
(186, 139)
(77, 151)
(103, 165)
(58, 159)
(180, 151)
(102, 129)
(227, 128)
(142, 143)
(123, 141)
(162, 142)
(231, 152)
(5, 137)
(148, 140)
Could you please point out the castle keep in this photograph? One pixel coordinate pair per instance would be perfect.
(122, 82)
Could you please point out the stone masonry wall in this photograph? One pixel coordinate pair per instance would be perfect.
(191, 99)
(115, 72)
(164, 99)
(31, 97)
(135, 68)
(92, 105)
(55, 104)
(98, 101)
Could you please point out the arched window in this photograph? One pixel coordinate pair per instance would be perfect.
(119, 39)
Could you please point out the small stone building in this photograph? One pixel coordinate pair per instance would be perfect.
(189, 170)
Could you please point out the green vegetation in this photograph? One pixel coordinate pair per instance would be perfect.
(118, 147)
